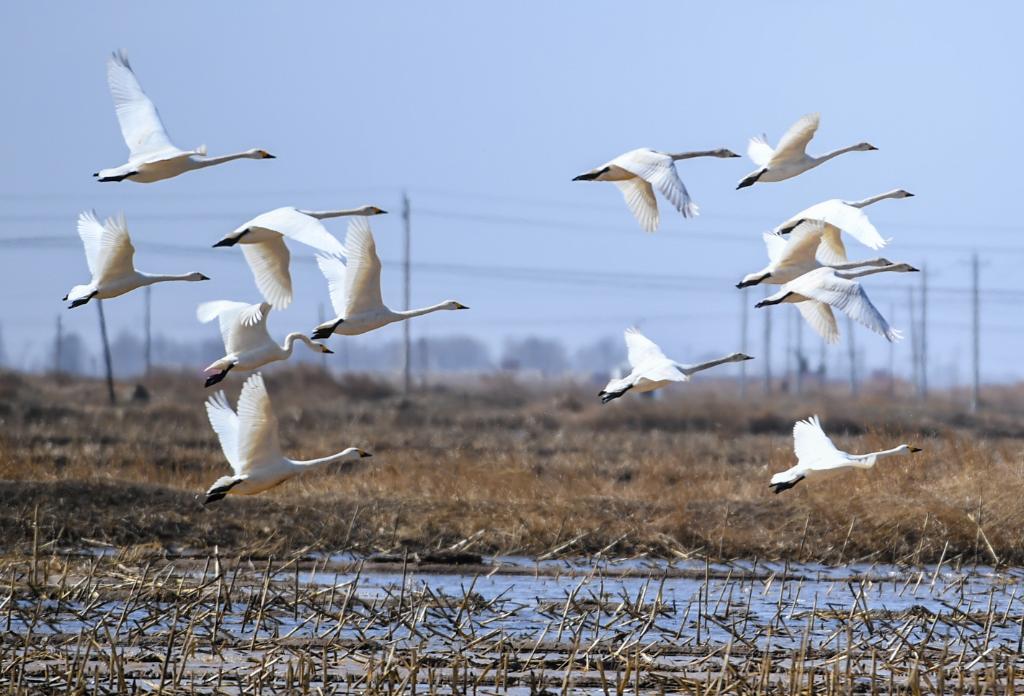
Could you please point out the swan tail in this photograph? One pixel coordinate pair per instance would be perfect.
(784, 484)
(220, 488)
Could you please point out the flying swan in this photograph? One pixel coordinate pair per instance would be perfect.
(816, 292)
(815, 453)
(109, 254)
(354, 286)
(152, 156)
(845, 216)
(262, 240)
(638, 172)
(798, 253)
(247, 343)
(652, 370)
(789, 158)
(250, 444)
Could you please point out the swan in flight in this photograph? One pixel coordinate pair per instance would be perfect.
(250, 444)
(638, 172)
(262, 240)
(846, 216)
(152, 156)
(652, 370)
(247, 343)
(789, 158)
(798, 253)
(110, 255)
(816, 292)
(354, 285)
(815, 453)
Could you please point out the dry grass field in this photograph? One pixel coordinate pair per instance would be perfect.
(499, 467)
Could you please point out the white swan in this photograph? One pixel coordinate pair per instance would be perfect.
(816, 292)
(354, 286)
(799, 252)
(652, 370)
(152, 156)
(815, 453)
(262, 240)
(110, 256)
(789, 158)
(847, 216)
(638, 172)
(250, 444)
(246, 340)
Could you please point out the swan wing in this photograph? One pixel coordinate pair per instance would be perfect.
(257, 425)
(639, 197)
(849, 219)
(224, 422)
(831, 250)
(811, 445)
(775, 244)
(362, 270)
(847, 296)
(334, 271)
(820, 317)
(660, 171)
(759, 151)
(793, 143)
(117, 255)
(141, 127)
(801, 246)
(663, 371)
(242, 326)
(640, 349)
(91, 232)
(269, 264)
(300, 227)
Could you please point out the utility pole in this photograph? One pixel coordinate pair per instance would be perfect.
(915, 337)
(924, 332)
(976, 335)
(767, 347)
(58, 348)
(106, 353)
(788, 376)
(406, 338)
(743, 342)
(801, 362)
(852, 351)
(149, 329)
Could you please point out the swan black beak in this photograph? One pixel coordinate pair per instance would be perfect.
(916, 449)
(225, 243)
(733, 154)
(909, 194)
(203, 277)
(747, 357)
(267, 155)
(585, 177)
(872, 147)
(913, 270)
(364, 455)
(459, 305)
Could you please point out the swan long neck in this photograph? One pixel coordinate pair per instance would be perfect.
(690, 369)
(150, 278)
(410, 313)
(324, 214)
(868, 460)
(342, 456)
(848, 265)
(835, 153)
(868, 271)
(220, 159)
(874, 199)
(690, 155)
(290, 339)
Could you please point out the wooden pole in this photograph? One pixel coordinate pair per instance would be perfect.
(106, 353)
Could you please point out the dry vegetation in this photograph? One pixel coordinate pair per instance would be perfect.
(497, 467)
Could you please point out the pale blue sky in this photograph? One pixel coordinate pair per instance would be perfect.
(484, 114)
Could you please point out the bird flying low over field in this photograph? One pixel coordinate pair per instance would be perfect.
(354, 286)
(789, 158)
(815, 453)
(817, 292)
(247, 342)
(653, 370)
(638, 172)
(110, 256)
(262, 241)
(249, 440)
(152, 156)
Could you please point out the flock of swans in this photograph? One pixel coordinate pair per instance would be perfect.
(806, 253)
